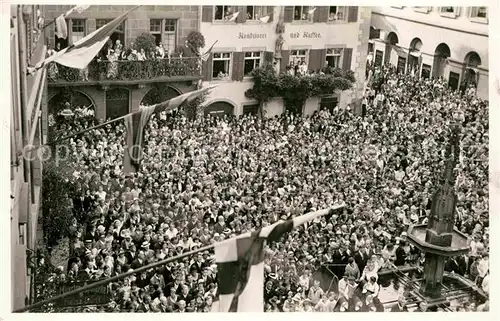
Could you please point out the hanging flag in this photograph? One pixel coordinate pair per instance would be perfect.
(136, 122)
(311, 11)
(60, 22)
(83, 51)
(265, 19)
(78, 9)
(233, 16)
(240, 264)
(61, 27)
(207, 53)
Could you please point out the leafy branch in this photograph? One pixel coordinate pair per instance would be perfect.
(296, 89)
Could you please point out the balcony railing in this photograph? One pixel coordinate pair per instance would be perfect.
(127, 70)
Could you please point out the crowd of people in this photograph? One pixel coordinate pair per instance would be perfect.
(213, 178)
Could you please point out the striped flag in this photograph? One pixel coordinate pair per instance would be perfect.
(78, 9)
(61, 27)
(233, 16)
(136, 122)
(83, 51)
(240, 264)
(265, 19)
(60, 22)
(207, 53)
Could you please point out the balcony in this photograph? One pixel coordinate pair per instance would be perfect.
(127, 72)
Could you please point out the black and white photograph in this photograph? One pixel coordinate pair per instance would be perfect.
(169, 158)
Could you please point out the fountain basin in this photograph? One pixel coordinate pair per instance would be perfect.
(459, 242)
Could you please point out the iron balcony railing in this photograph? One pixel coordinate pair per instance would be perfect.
(104, 70)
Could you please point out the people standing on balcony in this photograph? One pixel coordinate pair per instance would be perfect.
(160, 51)
(141, 55)
(118, 47)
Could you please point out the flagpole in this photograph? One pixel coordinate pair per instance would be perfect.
(152, 265)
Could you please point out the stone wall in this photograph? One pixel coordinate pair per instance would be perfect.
(136, 23)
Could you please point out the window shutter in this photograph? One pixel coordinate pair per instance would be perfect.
(268, 58)
(288, 16)
(322, 58)
(353, 14)
(323, 13)
(314, 59)
(270, 12)
(346, 63)
(317, 14)
(207, 69)
(237, 66)
(285, 56)
(207, 14)
(242, 16)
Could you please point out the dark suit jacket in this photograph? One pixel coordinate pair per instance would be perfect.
(361, 260)
(463, 265)
(452, 266)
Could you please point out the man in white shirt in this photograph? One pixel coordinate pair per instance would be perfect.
(172, 231)
(343, 286)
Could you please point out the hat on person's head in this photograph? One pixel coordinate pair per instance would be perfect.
(216, 235)
(145, 244)
(227, 231)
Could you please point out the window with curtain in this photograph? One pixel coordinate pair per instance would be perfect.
(337, 13)
(255, 12)
(301, 13)
(333, 56)
(221, 65)
(478, 12)
(222, 13)
(252, 61)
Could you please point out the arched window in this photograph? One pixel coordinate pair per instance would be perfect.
(219, 108)
(117, 102)
(441, 54)
(159, 94)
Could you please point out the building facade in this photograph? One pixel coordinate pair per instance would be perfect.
(118, 94)
(449, 42)
(27, 127)
(334, 35)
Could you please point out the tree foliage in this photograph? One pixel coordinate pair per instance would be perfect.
(196, 40)
(145, 41)
(296, 89)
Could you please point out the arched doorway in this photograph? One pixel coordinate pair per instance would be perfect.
(391, 41)
(441, 54)
(158, 94)
(414, 55)
(471, 74)
(219, 108)
(117, 102)
(75, 99)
